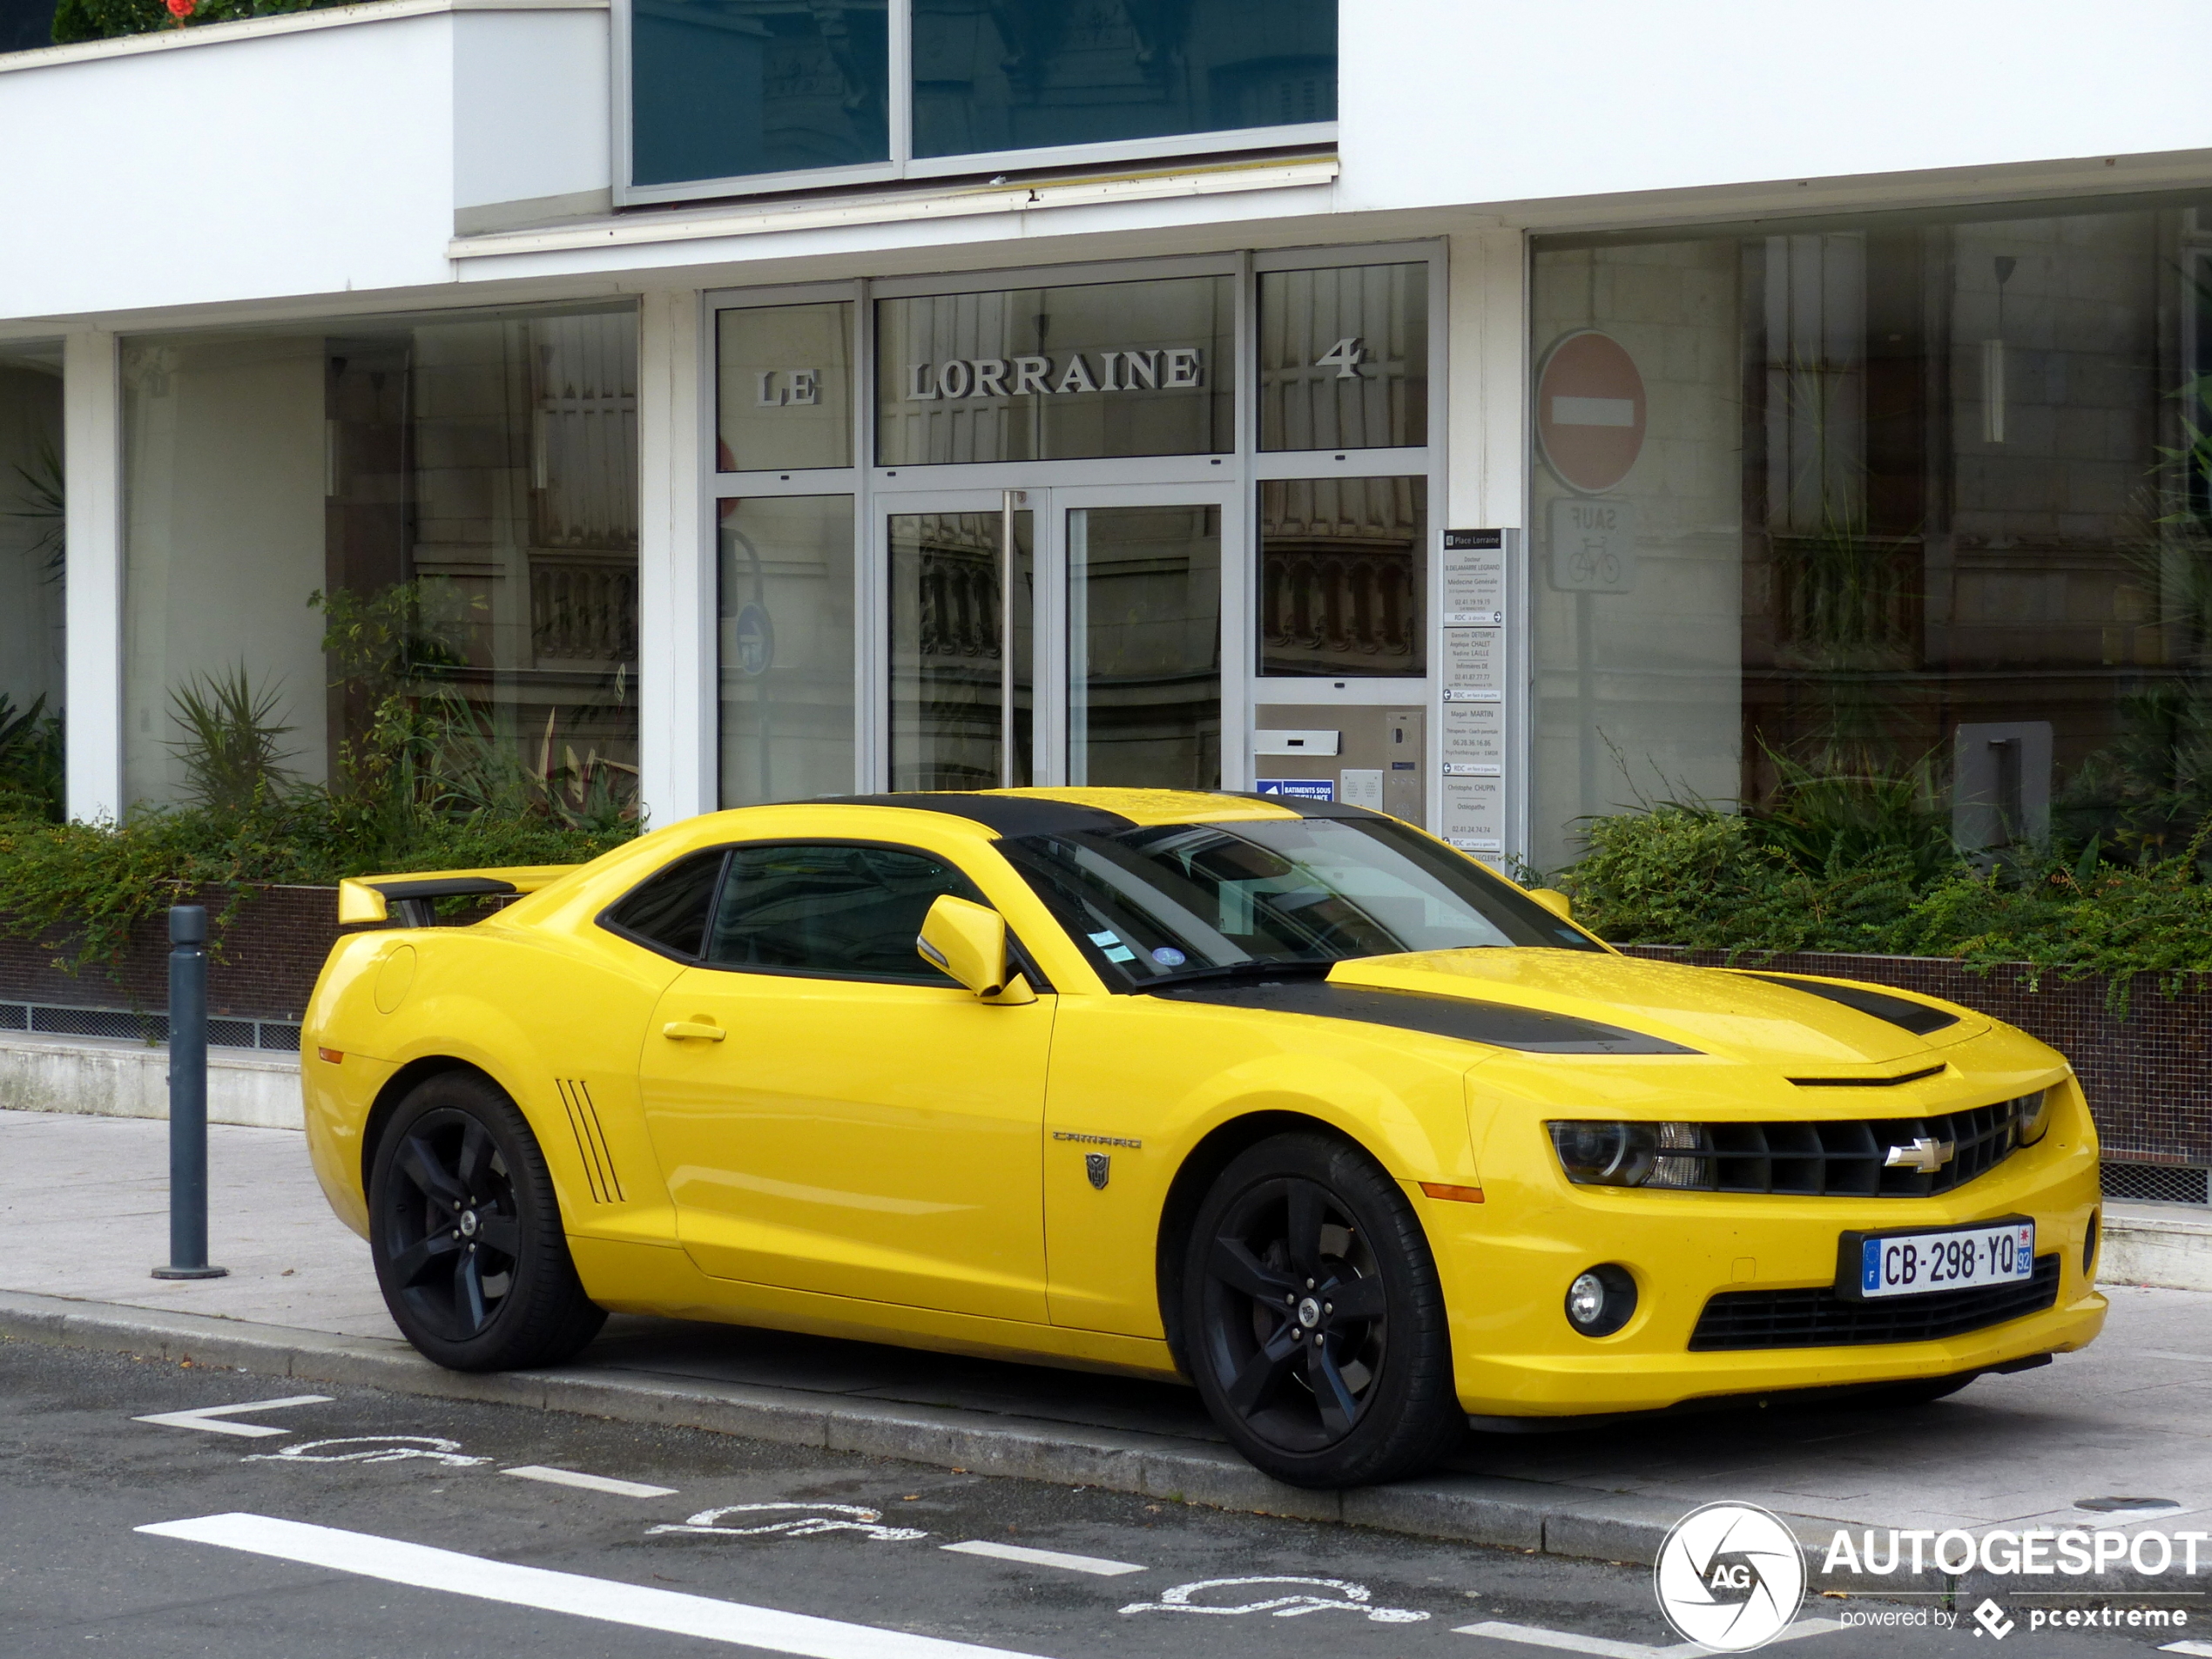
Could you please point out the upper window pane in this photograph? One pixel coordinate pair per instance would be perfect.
(784, 388)
(1344, 358)
(1035, 74)
(831, 908)
(1343, 565)
(1105, 368)
(721, 88)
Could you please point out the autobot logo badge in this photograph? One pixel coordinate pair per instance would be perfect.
(1097, 1166)
(1730, 1577)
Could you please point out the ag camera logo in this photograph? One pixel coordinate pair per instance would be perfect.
(1730, 1577)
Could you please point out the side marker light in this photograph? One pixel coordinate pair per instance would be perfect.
(1457, 1195)
(331, 1057)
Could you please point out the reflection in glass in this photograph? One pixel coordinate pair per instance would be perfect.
(1028, 74)
(1107, 368)
(784, 644)
(31, 556)
(1144, 646)
(720, 88)
(1344, 358)
(784, 387)
(1914, 527)
(463, 493)
(946, 649)
(1343, 570)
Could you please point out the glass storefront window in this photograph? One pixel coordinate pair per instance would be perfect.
(1036, 74)
(1096, 369)
(784, 387)
(1907, 505)
(33, 554)
(1342, 573)
(721, 88)
(785, 644)
(1144, 646)
(460, 492)
(948, 608)
(1344, 358)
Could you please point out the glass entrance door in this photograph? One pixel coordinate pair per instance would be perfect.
(1114, 633)
(952, 630)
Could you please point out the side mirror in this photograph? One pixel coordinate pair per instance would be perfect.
(969, 941)
(1553, 900)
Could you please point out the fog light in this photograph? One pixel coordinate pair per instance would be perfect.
(1600, 1301)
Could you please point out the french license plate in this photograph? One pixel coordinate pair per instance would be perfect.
(1873, 1265)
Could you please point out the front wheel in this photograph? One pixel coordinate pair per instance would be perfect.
(466, 1233)
(1314, 1323)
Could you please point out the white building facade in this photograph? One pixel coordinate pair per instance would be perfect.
(735, 401)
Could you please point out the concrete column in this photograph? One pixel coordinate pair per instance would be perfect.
(676, 667)
(1485, 456)
(92, 474)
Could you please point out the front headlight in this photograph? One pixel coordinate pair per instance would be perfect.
(1633, 1155)
(2033, 1114)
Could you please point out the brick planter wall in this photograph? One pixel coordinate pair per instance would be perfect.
(262, 967)
(2149, 1077)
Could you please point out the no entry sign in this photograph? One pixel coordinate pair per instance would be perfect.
(1590, 411)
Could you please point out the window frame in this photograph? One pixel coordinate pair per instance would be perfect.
(902, 164)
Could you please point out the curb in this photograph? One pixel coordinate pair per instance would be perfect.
(1524, 1515)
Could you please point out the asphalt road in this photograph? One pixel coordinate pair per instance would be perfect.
(371, 1526)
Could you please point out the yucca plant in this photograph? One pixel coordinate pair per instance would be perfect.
(231, 737)
(30, 759)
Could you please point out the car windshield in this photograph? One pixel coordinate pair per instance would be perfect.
(1205, 900)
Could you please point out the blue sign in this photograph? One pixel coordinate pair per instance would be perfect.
(1298, 788)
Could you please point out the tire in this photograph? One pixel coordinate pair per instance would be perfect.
(466, 1232)
(1370, 1396)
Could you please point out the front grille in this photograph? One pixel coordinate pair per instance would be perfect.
(1842, 1157)
(1820, 1319)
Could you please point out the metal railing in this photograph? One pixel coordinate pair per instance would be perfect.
(134, 1025)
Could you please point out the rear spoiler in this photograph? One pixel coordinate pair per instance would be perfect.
(375, 898)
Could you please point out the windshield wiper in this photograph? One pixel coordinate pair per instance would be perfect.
(1305, 968)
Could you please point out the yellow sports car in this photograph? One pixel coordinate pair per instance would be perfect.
(1286, 1098)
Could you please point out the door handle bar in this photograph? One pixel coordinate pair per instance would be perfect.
(704, 1030)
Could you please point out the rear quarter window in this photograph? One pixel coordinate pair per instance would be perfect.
(668, 911)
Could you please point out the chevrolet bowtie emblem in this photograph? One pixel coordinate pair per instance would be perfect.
(1923, 1154)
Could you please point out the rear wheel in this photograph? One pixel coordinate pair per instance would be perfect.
(465, 1234)
(1314, 1321)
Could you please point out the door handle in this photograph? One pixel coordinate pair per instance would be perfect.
(704, 1030)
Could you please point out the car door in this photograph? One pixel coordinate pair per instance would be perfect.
(833, 1114)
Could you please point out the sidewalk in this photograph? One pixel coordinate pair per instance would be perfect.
(83, 1215)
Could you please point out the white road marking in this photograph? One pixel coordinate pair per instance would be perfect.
(375, 1448)
(1535, 1636)
(209, 1418)
(1347, 1598)
(2195, 1649)
(811, 1518)
(1043, 1558)
(587, 1482)
(396, 1561)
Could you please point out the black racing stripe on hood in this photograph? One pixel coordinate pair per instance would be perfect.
(1009, 815)
(1499, 1024)
(1917, 1018)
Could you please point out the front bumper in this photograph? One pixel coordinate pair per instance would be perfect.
(1515, 1355)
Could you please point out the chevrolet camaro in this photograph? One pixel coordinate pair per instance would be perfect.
(1284, 1098)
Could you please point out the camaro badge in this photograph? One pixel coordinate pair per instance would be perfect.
(1924, 1154)
(1097, 1166)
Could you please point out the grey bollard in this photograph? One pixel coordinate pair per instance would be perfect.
(188, 1096)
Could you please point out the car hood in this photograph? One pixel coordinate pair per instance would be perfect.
(1716, 1011)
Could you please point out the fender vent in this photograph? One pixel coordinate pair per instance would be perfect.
(590, 1140)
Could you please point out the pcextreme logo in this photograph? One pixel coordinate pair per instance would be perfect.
(1730, 1577)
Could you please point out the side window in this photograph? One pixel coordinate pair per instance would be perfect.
(829, 908)
(669, 910)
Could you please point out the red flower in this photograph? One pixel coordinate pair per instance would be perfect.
(181, 10)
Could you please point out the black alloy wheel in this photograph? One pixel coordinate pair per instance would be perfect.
(1313, 1320)
(466, 1232)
